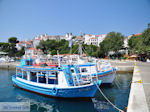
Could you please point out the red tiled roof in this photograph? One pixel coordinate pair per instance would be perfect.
(34, 49)
(28, 43)
(93, 38)
(137, 34)
(37, 39)
(89, 34)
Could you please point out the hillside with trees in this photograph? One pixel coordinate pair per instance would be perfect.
(112, 46)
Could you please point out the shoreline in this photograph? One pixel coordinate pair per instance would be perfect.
(9, 65)
(121, 69)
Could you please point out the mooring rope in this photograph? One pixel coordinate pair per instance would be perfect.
(108, 99)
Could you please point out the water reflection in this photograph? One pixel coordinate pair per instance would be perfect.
(44, 104)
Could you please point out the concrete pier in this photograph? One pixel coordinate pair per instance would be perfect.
(139, 98)
(144, 70)
(8, 65)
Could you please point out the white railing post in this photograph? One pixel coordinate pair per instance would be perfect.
(28, 75)
(47, 75)
(16, 72)
(37, 76)
(22, 73)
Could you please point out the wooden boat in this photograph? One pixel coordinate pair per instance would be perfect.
(56, 82)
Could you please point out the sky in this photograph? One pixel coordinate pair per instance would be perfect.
(26, 19)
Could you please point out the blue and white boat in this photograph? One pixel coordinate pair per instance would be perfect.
(57, 82)
(106, 73)
(97, 69)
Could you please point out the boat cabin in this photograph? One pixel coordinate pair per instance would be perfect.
(41, 75)
(64, 76)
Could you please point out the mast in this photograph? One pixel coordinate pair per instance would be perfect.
(58, 58)
(70, 45)
(80, 49)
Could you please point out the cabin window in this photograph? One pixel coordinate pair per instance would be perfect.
(83, 70)
(53, 78)
(25, 75)
(28, 62)
(72, 70)
(19, 73)
(33, 76)
(42, 78)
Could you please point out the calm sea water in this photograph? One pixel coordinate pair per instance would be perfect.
(118, 94)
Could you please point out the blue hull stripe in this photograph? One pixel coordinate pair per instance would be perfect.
(103, 73)
(88, 91)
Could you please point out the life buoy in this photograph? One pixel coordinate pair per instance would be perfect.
(54, 91)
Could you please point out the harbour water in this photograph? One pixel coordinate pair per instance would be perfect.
(118, 94)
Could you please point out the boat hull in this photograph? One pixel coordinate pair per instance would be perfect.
(107, 77)
(71, 92)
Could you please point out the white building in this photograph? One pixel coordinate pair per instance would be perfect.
(45, 37)
(33, 52)
(68, 36)
(36, 42)
(93, 39)
(26, 44)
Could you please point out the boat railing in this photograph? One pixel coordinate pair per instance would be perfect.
(82, 80)
(32, 68)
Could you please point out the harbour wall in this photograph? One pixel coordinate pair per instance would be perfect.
(12, 65)
(137, 99)
(9, 65)
(125, 69)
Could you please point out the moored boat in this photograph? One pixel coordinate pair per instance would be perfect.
(105, 74)
(56, 82)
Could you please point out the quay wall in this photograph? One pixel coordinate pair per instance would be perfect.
(137, 100)
(12, 65)
(125, 69)
(8, 65)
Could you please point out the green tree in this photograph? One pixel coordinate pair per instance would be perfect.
(13, 40)
(12, 46)
(90, 50)
(146, 41)
(140, 44)
(53, 45)
(135, 44)
(146, 37)
(4, 46)
(20, 52)
(113, 42)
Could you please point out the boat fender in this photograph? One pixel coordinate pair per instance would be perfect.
(54, 91)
